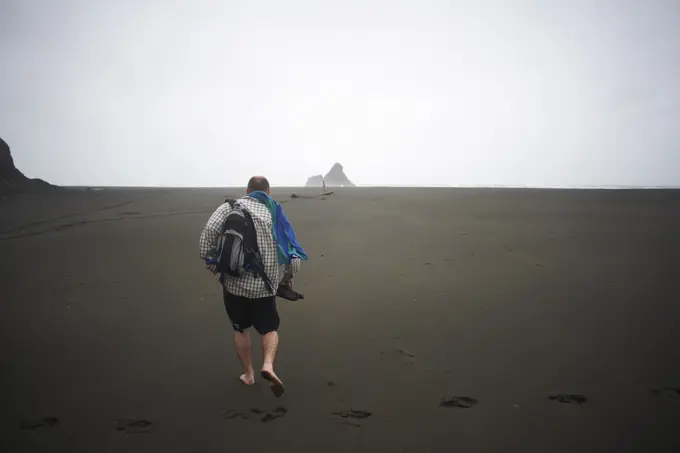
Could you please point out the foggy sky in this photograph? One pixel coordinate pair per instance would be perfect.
(208, 93)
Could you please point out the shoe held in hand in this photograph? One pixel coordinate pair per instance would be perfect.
(287, 292)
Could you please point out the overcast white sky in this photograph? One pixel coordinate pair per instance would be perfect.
(208, 93)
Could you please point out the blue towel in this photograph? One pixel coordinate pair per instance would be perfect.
(284, 235)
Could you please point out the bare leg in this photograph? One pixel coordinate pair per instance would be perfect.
(242, 341)
(270, 344)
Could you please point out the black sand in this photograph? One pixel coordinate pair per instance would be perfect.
(433, 320)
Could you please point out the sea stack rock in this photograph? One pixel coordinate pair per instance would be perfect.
(334, 178)
(14, 181)
(315, 181)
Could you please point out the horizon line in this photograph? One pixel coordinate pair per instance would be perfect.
(378, 186)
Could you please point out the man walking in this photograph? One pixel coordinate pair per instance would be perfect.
(248, 300)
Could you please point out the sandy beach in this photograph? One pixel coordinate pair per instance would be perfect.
(115, 339)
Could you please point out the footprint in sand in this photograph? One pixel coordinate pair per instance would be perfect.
(36, 423)
(267, 416)
(279, 412)
(133, 426)
(348, 417)
(347, 422)
(406, 353)
(462, 402)
(356, 414)
(569, 398)
(231, 415)
(667, 392)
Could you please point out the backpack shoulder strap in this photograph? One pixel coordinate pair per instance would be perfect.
(250, 243)
(232, 203)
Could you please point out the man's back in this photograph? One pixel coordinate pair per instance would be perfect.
(248, 285)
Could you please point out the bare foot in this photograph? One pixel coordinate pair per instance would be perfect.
(276, 384)
(248, 379)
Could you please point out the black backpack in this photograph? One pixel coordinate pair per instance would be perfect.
(237, 249)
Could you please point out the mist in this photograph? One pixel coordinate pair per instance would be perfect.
(209, 93)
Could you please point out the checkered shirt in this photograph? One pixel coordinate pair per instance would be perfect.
(248, 285)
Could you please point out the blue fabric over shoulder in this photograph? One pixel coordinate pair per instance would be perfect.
(284, 235)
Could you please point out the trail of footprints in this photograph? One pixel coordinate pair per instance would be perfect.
(349, 417)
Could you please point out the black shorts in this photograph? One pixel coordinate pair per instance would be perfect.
(245, 313)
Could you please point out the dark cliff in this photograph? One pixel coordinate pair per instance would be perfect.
(12, 180)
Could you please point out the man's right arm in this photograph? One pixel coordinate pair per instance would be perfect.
(211, 233)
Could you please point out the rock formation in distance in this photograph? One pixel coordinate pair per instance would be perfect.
(14, 181)
(315, 181)
(334, 178)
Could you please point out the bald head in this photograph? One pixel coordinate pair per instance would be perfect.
(258, 183)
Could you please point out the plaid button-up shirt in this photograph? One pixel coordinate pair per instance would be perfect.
(248, 285)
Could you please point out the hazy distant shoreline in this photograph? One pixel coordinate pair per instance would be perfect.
(359, 186)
